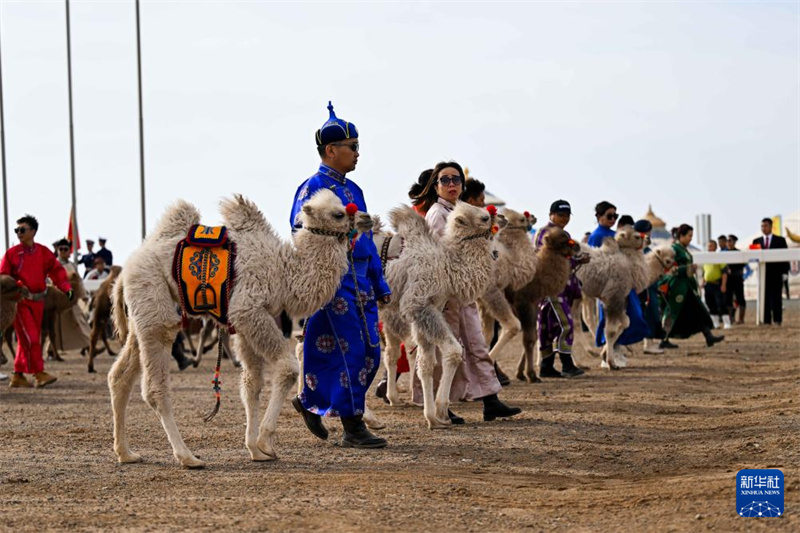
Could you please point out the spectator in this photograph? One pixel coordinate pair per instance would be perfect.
(736, 275)
(775, 274)
(715, 283)
(99, 269)
(474, 193)
(722, 241)
(585, 239)
(63, 248)
(606, 215)
(87, 259)
(104, 252)
(625, 220)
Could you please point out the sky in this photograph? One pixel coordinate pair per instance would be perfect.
(693, 107)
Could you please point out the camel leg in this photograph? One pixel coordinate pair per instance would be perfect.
(121, 378)
(425, 370)
(451, 358)
(252, 383)
(390, 358)
(93, 346)
(285, 373)
(527, 318)
(155, 343)
(509, 328)
(104, 336)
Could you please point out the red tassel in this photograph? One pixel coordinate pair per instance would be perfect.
(351, 209)
(491, 209)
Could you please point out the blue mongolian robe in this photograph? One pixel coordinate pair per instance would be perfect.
(341, 347)
(638, 329)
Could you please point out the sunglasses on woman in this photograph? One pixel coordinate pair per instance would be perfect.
(613, 216)
(447, 180)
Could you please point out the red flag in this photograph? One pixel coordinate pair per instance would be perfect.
(72, 233)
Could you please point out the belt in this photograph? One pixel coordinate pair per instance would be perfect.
(37, 296)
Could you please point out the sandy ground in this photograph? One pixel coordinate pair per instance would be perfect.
(654, 447)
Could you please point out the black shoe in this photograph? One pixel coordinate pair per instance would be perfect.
(494, 408)
(501, 376)
(313, 421)
(380, 390)
(185, 363)
(549, 372)
(711, 340)
(572, 372)
(665, 344)
(455, 419)
(356, 434)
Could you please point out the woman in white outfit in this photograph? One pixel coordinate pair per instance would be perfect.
(437, 200)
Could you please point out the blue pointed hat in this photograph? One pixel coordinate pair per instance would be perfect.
(335, 129)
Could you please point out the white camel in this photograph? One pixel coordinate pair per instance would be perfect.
(271, 275)
(428, 272)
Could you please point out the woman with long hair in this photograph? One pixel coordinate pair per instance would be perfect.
(684, 313)
(437, 199)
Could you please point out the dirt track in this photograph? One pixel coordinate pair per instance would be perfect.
(654, 447)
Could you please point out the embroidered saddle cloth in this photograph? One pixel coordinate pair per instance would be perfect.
(203, 269)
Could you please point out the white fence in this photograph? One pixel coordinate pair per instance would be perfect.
(751, 256)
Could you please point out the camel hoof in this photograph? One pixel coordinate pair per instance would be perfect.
(129, 458)
(92, 370)
(521, 376)
(261, 456)
(193, 463)
(375, 424)
(439, 424)
(604, 364)
(111, 354)
(532, 378)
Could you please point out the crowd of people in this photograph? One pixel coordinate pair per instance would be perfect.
(672, 308)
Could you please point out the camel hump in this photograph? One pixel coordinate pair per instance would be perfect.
(242, 214)
(176, 220)
(410, 225)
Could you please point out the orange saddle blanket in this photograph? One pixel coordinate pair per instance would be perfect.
(203, 269)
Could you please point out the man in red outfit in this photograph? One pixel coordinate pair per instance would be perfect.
(31, 264)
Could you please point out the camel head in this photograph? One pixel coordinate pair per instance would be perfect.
(517, 221)
(325, 212)
(561, 243)
(78, 290)
(665, 256)
(629, 238)
(469, 222)
(531, 219)
(11, 290)
(501, 221)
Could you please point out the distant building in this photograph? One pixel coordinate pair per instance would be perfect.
(660, 234)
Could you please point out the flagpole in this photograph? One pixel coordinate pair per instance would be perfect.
(141, 121)
(3, 157)
(71, 140)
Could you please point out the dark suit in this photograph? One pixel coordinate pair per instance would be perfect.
(773, 297)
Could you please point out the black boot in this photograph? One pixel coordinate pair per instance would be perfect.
(712, 339)
(455, 419)
(668, 345)
(313, 421)
(546, 368)
(383, 384)
(177, 353)
(568, 368)
(356, 434)
(494, 408)
(501, 376)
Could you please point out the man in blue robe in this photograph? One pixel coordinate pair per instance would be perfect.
(341, 349)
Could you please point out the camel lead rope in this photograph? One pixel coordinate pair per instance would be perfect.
(216, 381)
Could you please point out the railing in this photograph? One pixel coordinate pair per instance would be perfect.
(761, 257)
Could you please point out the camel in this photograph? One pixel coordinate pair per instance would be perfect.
(271, 275)
(10, 294)
(552, 274)
(101, 306)
(515, 268)
(429, 272)
(56, 302)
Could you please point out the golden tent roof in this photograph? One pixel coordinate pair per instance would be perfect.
(654, 220)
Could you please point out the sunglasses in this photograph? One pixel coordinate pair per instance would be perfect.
(447, 180)
(20, 230)
(354, 146)
(615, 216)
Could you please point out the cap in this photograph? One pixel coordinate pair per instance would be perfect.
(561, 206)
(335, 129)
(89, 241)
(102, 239)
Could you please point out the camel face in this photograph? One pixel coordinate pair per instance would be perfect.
(501, 221)
(666, 256)
(516, 220)
(627, 237)
(559, 241)
(325, 210)
(468, 221)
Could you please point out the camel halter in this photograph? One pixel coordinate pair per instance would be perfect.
(341, 236)
(666, 269)
(489, 233)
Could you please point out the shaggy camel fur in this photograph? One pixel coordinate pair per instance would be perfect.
(10, 294)
(101, 305)
(271, 275)
(515, 268)
(614, 269)
(429, 272)
(552, 275)
(55, 302)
